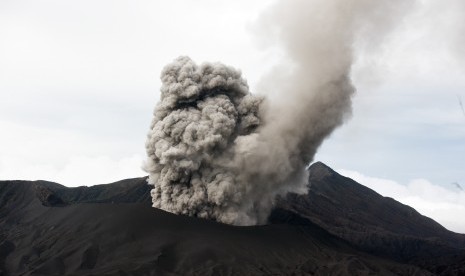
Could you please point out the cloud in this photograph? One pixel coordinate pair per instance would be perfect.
(78, 170)
(68, 69)
(445, 205)
(65, 156)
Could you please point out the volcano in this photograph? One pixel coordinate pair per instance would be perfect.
(339, 228)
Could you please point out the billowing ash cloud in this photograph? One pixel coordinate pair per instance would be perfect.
(203, 112)
(216, 151)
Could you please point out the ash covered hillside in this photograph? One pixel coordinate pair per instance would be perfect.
(339, 228)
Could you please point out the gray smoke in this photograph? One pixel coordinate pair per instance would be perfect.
(217, 151)
(203, 112)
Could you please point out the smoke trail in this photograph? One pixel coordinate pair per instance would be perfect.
(216, 151)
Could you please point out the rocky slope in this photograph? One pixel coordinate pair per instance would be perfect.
(339, 228)
(375, 224)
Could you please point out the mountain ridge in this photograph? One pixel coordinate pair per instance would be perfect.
(339, 227)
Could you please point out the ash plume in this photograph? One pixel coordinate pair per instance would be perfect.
(203, 111)
(217, 151)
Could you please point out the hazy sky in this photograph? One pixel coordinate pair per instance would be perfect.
(79, 80)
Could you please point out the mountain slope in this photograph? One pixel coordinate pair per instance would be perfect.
(376, 224)
(339, 228)
(135, 239)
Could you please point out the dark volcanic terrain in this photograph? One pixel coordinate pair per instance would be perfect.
(339, 228)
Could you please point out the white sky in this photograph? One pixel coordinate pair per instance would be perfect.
(79, 80)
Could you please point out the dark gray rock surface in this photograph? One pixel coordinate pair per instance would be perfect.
(339, 228)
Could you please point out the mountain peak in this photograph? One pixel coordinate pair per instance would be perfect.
(319, 170)
(359, 215)
(320, 165)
